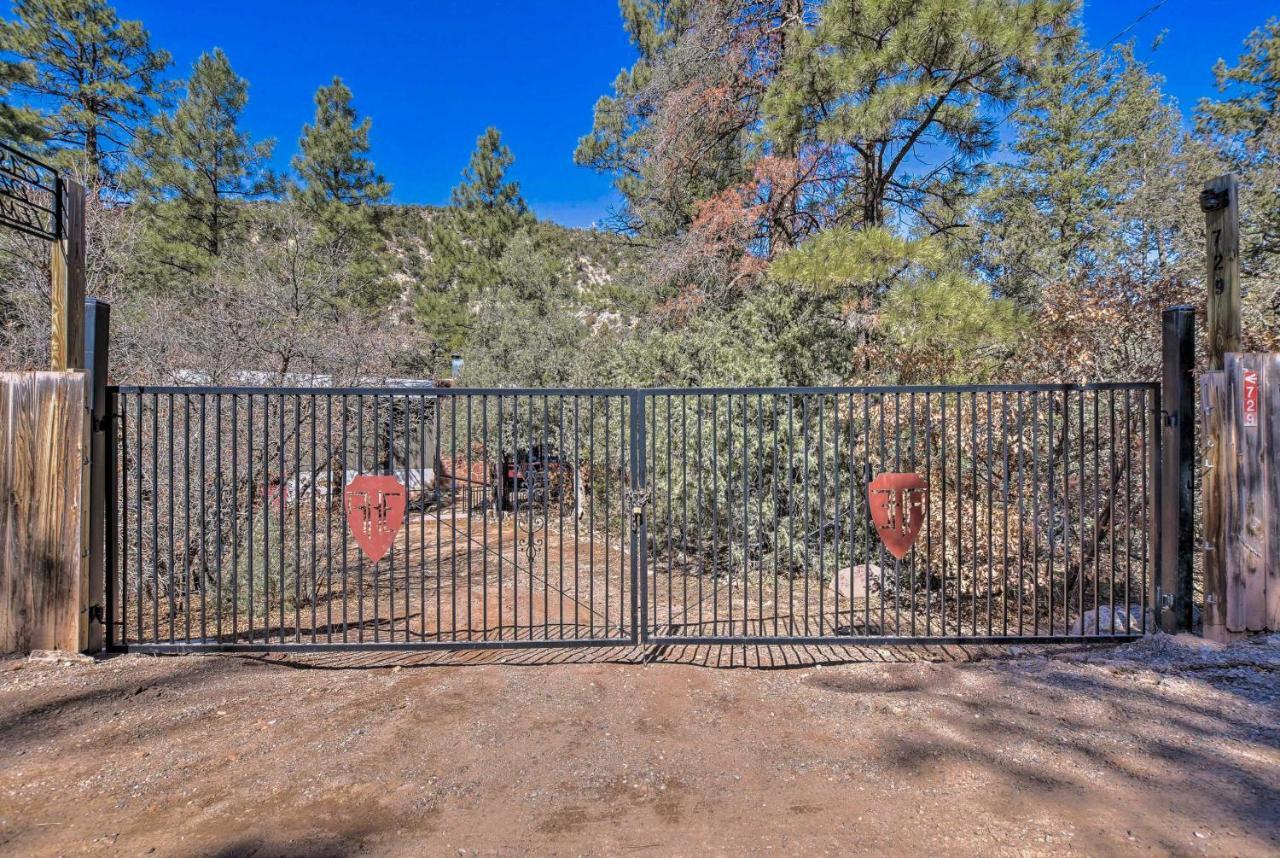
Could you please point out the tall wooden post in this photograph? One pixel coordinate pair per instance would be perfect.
(67, 295)
(1221, 206)
(1178, 450)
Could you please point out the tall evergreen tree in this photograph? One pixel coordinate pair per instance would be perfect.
(486, 212)
(338, 187)
(1245, 128)
(18, 123)
(93, 77)
(332, 162)
(490, 206)
(898, 100)
(196, 169)
(1099, 153)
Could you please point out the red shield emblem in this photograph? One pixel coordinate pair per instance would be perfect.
(375, 511)
(897, 508)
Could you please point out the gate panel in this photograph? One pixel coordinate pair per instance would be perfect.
(232, 529)
(1036, 523)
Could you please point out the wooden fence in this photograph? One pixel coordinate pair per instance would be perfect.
(43, 570)
(1240, 408)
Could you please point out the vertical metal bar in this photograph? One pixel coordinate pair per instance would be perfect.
(821, 511)
(344, 516)
(746, 495)
(605, 456)
(1097, 519)
(838, 519)
(639, 530)
(870, 537)
(453, 517)
(1035, 512)
(1150, 532)
(942, 547)
(1128, 497)
(467, 439)
(408, 484)
(296, 481)
(928, 516)
(1050, 441)
(1177, 512)
(282, 499)
(328, 542)
(897, 466)
(172, 556)
(359, 554)
(248, 455)
(911, 419)
(1022, 518)
(1004, 485)
(977, 499)
(715, 517)
(500, 486)
(116, 532)
(579, 489)
(1111, 499)
(791, 523)
(729, 481)
(1080, 575)
(990, 518)
(701, 565)
(437, 462)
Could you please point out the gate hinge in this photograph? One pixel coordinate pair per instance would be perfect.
(96, 615)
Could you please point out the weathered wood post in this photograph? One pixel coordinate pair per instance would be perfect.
(1220, 203)
(1241, 408)
(1178, 451)
(67, 275)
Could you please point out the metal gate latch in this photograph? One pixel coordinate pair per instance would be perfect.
(638, 498)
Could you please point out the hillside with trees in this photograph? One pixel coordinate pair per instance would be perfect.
(813, 192)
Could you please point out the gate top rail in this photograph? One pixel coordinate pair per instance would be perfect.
(627, 391)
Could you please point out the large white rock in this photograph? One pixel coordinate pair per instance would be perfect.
(1126, 617)
(851, 583)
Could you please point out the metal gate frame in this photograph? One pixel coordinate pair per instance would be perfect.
(645, 630)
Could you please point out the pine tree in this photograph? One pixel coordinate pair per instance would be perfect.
(486, 212)
(898, 100)
(18, 123)
(333, 163)
(1245, 128)
(93, 77)
(491, 207)
(1099, 153)
(338, 188)
(196, 169)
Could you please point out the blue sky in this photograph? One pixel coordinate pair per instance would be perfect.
(433, 75)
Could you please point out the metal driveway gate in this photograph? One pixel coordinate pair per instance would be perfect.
(258, 518)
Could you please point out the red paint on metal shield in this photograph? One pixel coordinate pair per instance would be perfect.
(375, 511)
(897, 508)
(1251, 397)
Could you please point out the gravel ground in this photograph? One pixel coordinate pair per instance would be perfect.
(1166, 746)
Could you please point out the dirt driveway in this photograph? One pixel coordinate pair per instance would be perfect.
(1164, 746)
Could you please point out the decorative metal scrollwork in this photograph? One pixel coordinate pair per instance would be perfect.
(29, 192)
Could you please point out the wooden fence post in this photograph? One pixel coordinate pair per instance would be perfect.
(1220, 203)
(67, 274)
(1241, 407)
(41, 501)
(1177, 450)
